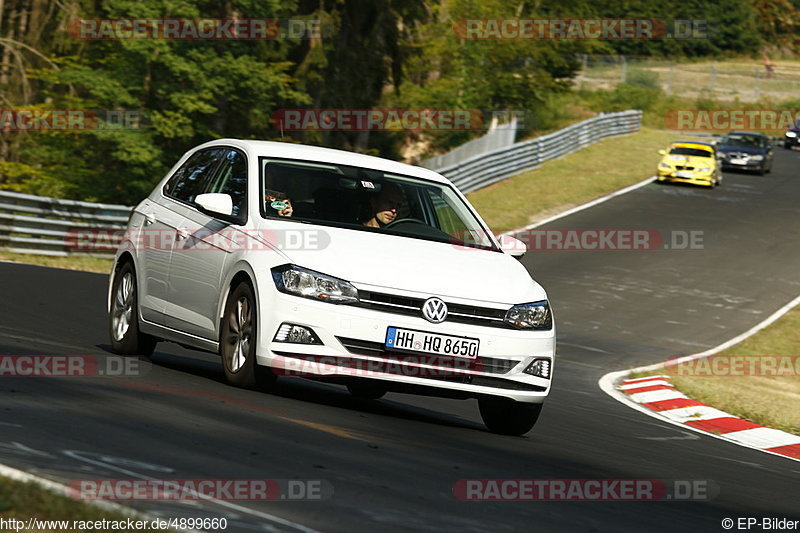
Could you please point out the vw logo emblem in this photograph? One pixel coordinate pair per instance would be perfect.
(434, 310)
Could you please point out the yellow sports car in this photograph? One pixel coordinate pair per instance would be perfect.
(690, 162)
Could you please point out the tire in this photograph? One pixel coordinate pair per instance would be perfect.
(123, 319)
(366, 391)
(508, 417)
(238, 341)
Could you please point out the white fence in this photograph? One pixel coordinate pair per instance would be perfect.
(484, 169)
(498, 136)
(49, 226)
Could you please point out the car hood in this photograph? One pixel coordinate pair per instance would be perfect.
(688, 160)
(409, 264)
(741, 149)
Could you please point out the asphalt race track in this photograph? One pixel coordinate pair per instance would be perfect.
(393, 463)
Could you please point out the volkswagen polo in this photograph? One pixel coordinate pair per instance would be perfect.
(291, 260)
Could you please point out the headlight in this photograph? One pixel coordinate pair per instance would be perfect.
(791, 134)
(756, 157)
(535, 315)
(309, 284)
(664, 166)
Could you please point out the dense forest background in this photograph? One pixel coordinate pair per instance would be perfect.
(373, 54)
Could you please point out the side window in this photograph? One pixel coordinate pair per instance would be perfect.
(231, 179)
(188, 181)
(449, 221)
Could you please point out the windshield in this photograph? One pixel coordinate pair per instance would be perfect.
(368, 200)
(696, 152)
(744, 140)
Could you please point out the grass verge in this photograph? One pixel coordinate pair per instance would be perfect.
(23, 501)
(563, 183)
(71, 262)
(725, 381)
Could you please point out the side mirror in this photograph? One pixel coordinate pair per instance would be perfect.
(215, 203)
(512, 246)
(662, 152)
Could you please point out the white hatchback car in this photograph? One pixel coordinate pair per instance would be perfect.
(295, 260)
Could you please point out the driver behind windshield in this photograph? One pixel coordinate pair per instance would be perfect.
(384, 205)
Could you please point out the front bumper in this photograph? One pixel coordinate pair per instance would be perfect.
(705, 178)
(353, 349)
(742, 163)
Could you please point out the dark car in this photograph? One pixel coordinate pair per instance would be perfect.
(746, 150)
(791, 138)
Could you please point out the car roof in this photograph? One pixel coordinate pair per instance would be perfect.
(304, 152)
(707, 145)
(756, 133)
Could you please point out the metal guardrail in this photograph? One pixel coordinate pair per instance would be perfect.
(484, 169)
(498, 136)
(49, 226)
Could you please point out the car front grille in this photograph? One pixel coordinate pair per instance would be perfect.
(737, 155)
(682, 167)
(464, 314)
(488, 365)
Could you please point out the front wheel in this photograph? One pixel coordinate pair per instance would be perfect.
(123, 320)
(238, 341)
(508, 417)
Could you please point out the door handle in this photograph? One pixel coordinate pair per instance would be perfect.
(181, 234)
(149, 219)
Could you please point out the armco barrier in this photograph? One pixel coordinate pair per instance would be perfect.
(40, 225)
(484, 169)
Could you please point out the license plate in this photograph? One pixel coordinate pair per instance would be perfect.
(683, 174)
(738, 161)
(432, 343)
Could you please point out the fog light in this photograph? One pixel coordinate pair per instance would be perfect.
(539, 368)
(296, 334)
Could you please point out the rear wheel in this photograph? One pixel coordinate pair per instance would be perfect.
(123, 320)
(238, 341)
(508, 417)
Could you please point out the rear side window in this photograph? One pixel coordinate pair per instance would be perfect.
(231, 179)
(188, 181)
